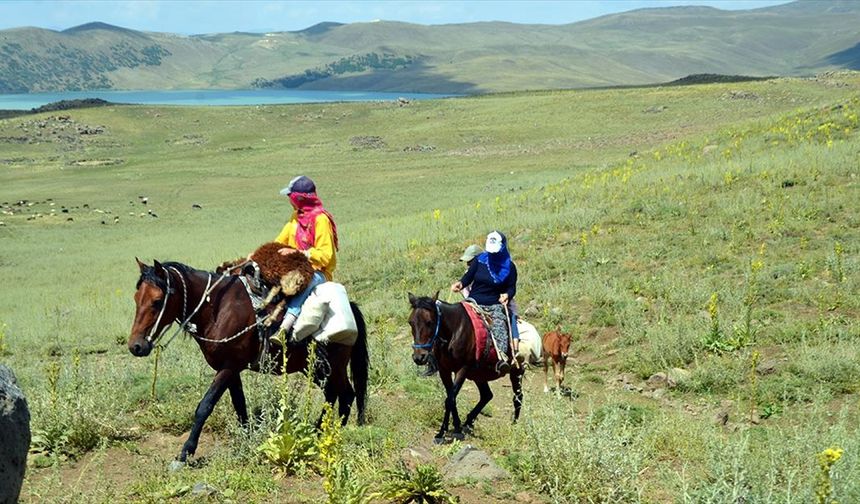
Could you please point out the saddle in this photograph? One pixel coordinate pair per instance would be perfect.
(485, 349)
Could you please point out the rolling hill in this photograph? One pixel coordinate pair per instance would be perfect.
(706, 233)
(637, 47)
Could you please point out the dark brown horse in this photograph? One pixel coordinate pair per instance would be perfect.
(217, 312)
(445, 331)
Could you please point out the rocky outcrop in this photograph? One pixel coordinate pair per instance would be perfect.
(14, 436)
(471, 463)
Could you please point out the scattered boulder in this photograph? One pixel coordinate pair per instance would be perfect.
(188, 139)
(474, 464)
(721, 418)
(678, 376)
(419, 148)
(766, 366)
(367, 142)
(90, 130)
(14, 436)
(668, 380)
(413, 457)
(97, 162)
(740, 95)
(202, 489)
(657, 381)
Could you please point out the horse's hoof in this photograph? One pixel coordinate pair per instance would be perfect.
(175, 466)
(438, 440)
(468, 429)
(459, 436)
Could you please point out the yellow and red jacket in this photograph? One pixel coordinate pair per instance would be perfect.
(322, 254)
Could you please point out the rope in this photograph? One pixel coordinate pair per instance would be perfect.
(231, 338)
(511, 335)
(203, 298)
(150, 338)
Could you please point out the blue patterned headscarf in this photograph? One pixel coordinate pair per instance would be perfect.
(498, 263)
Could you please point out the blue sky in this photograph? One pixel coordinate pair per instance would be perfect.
(189, 17)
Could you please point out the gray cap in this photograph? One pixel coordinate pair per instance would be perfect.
(300, 184)
(471, 252)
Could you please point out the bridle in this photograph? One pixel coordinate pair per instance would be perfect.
(429, 344)
(153, 337)
(185, 325)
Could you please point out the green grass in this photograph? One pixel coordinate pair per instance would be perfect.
(623, 224)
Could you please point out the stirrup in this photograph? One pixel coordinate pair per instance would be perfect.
(503, 367)
(279, 338)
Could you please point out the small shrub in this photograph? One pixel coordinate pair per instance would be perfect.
(424, 486)
(823, 485)
(627, 414)
(571, 464)
(345, 487)
(716, 374)
(4, 348)
(292, 446)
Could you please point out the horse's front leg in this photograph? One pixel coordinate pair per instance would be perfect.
(237, 395)
(559, 376)
(222, 380)
(459, 379)
(445, 376)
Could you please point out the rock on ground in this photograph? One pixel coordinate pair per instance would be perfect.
(473, 464)
(14, 436)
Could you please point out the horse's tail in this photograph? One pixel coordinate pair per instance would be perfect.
(360, 363)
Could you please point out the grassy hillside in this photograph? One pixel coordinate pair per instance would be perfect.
(708, 228)
(637, 47)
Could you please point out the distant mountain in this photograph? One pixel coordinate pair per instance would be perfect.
(637, 47)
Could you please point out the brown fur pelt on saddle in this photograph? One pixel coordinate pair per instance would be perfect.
(291, 272)
(285, 274)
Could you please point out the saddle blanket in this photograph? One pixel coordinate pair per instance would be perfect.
(327, 316)
(485, 351)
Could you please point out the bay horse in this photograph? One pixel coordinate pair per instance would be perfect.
(217, 312)
(444, 331)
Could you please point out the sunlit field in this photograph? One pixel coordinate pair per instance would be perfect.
(707, 232)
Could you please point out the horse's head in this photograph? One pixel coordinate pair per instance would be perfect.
(562, 342)
(564, 345)
(154, 310)
(424, 320)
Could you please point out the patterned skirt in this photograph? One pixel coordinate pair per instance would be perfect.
(498, 328)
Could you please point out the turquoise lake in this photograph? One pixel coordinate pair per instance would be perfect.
(206, 97)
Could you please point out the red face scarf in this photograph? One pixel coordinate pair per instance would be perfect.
(308, 206)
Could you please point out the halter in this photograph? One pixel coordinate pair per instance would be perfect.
(424, 346)
(152, 338)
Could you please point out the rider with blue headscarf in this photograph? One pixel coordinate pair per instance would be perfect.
(493, 280)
